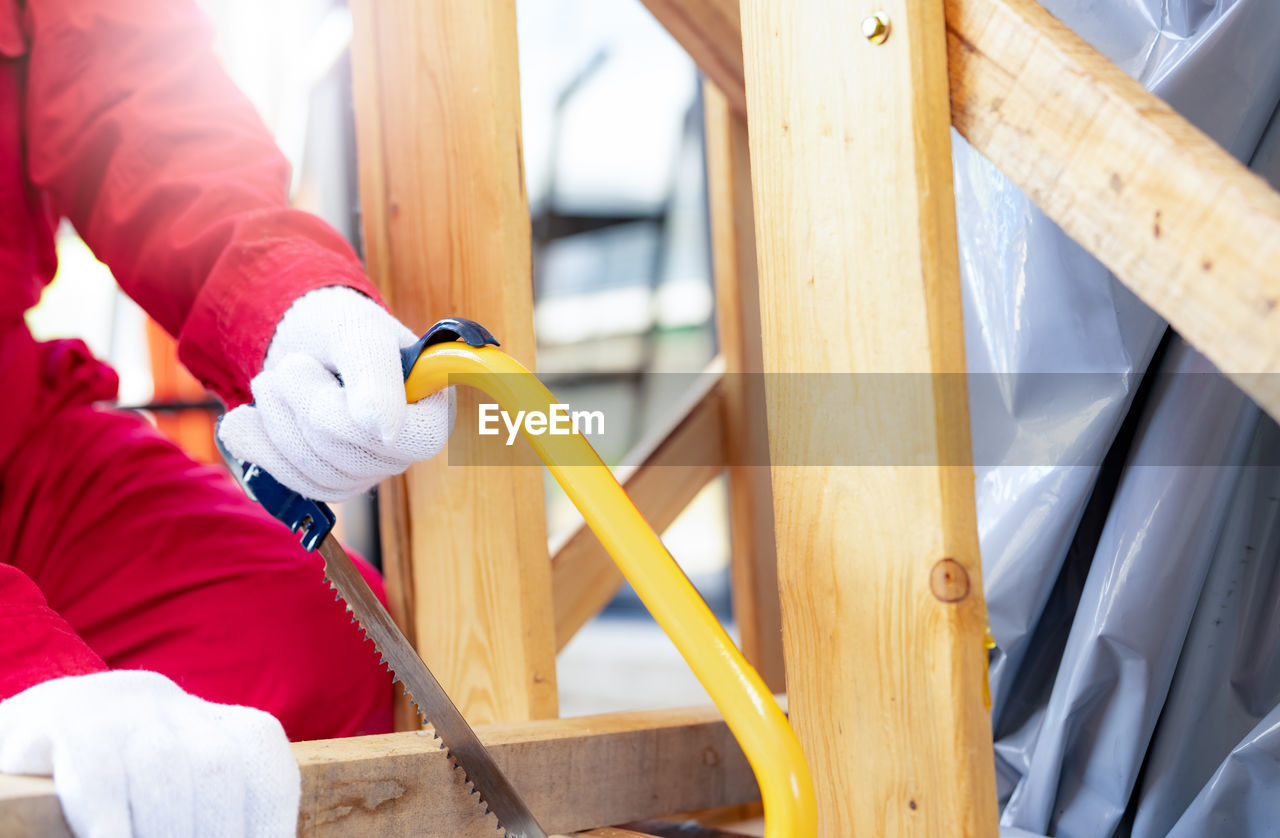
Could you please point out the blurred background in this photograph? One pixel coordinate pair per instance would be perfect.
(614, 159)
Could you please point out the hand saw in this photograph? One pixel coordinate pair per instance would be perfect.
(314, 521)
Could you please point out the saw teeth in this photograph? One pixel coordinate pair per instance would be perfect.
(453, 760)
(395, 679)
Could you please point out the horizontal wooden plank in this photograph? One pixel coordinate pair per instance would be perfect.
(575, 774)
(28, 806)
(1182, 224)
(675, 463)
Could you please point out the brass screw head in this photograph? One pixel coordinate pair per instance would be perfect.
(875, 28)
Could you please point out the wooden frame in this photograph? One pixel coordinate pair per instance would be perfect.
(754, 566)
(673, 468)
(879, 573)
(880, 595)
(1180, 222)
(437, 102)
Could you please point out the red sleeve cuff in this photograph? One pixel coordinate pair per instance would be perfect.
(36, 645)
(225, 337)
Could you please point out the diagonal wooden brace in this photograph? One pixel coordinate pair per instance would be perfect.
(1186, 227)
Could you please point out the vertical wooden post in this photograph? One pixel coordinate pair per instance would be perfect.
(754, 566)
(446, 231)
(883, 613)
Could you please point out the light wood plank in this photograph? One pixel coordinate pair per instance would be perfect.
(1181, 223)
(883, 614)
(447, 234)
(675, 463)
(754, 563)
(28, 806)
(574, 774)
(1187, 228)
(711, 32)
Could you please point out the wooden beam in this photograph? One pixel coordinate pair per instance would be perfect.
(754, 558)
(28, 806)
(574, 774)
(446, 227)
(1182, 224)
(711, 32)
(882, 606)
(675, 463)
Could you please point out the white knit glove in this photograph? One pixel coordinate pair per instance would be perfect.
(331, 439)
(131, 754)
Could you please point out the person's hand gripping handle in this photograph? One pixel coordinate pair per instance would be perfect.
(301, 511)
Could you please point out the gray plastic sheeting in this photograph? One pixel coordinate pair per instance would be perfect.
(1136, 604)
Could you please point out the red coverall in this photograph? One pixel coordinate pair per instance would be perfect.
(116, 550)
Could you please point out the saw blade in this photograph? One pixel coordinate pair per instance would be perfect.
(465, 750)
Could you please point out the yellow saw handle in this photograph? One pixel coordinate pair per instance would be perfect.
(736, 688)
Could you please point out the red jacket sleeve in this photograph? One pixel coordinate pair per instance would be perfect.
(136, 135)
(38, 644)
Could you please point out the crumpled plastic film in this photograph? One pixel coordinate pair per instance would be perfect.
(1119, 706)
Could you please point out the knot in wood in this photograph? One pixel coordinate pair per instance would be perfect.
(949, 581)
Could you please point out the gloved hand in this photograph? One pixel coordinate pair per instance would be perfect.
(331, 439)
(131, 754)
